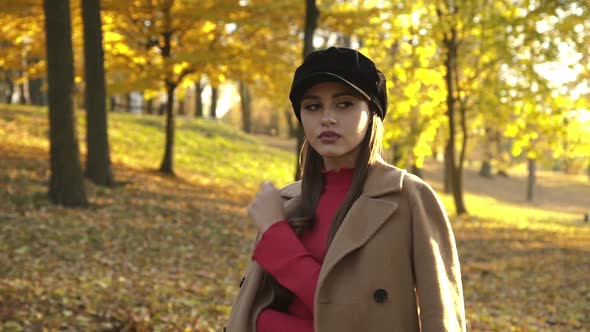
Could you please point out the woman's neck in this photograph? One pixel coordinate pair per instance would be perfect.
(344, 161)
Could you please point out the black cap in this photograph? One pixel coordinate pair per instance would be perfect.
(340, 64)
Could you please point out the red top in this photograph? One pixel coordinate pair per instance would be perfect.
(295, 262)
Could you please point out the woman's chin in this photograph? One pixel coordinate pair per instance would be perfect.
(330, 153)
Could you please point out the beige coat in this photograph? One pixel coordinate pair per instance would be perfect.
(395, 242)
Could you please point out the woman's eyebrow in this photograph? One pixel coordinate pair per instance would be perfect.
(336, 95)
(309, 97)
(345, 93)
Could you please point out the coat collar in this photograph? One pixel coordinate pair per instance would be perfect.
(365, 217)
(382, 179)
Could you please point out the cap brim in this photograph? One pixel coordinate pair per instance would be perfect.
(317, 77)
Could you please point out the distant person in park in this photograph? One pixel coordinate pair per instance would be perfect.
(357, 245)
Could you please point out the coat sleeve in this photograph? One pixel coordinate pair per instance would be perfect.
(436, 263)
(240, 318)
(271, 320)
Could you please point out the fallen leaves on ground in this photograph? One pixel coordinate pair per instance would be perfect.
(163, 254)
(159, 253)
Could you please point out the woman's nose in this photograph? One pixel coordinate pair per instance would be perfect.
(328, 117)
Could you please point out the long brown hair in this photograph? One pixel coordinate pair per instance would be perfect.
(312, 185)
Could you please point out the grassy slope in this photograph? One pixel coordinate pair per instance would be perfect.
(206, 151)
(163, 253)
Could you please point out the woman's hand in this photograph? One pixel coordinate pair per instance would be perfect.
(267, 207)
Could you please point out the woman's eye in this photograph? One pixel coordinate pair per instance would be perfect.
(344, 104)
(311, 107)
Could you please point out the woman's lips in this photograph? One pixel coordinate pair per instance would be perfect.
(328, 137)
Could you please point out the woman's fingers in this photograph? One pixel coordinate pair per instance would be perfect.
(267, 206)
(267, 185)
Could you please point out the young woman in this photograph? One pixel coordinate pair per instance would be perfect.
(357, 244)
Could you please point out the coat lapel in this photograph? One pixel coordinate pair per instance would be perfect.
(364, 218)
(368, 213)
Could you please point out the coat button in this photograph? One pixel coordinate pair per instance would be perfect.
(380, 295)
(242, 281)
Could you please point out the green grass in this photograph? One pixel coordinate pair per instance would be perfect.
(166, 253)
(205, 150)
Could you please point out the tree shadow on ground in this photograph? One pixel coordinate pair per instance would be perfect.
(554, 192)
(165, 244)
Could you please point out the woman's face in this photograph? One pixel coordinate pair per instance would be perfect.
(335, 119)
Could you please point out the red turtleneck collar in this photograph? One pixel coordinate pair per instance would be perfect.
(338, 179)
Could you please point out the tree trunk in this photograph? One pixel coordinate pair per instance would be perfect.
(456, 171)
(213, 111)
(113, 103)
(275, 126)
(66, 183)
(181, 107)
(292, 126)
(24, 97)
(98, 160)
(566, 162)
(150, 106)
(396, 153)
(530, 193)
(246, 104)
(38, 96)
(417, 171)
(128, 102)
(9, 88)
(311, 22)
(167, 166)
(448, 167)
(486, 164)
(458, 192)
(198, 100)
(162, 108)
(167, 163)
(15, 91)
(502, 161)
(344, 40)
(486, 169)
